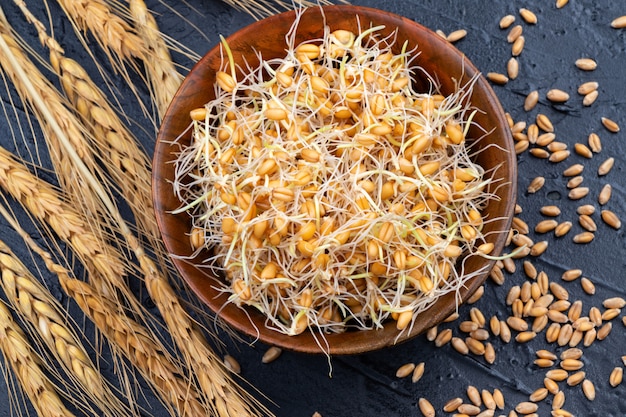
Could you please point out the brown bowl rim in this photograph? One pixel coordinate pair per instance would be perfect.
(250, 322)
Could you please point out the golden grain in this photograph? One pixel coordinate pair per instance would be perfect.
(497, 78)
(595, 316)
(611, 219)
(586, 209)
(526, 407)
(605, 194)
(431, 334)
(546, 226)
(610, 125)
(573, 170)
(456, 35)
(418, 372)
(614, 302)
(468, 409)
(587, 223)
(559, 156)
(405, 370)
(557, 96)
(606, 166)
(587, 286)
(505, 332)
(571, 364)
(604, 331)
(590, 98)
(562, 228)
(539, 394)
(565, 334)
(514, 33)
(587, 87)
(545, 139)
(452, 405)
(551, 386)
(582, 150)
(271, 354)
(539, 248)
(544, 363)
(616, 376)
(557, 375)
(443, 337)
(589, 390)
(531, 100)
(506, 21)
(561, 3)
(476, 296)
(536, 184)
(610, 314)
(518, 46)
(426, 407)
(557, 146)
(589, 337)
(528, 16)
(578, 193)
(575, 181)
(619, 22)
(524, 337)
(474, 395)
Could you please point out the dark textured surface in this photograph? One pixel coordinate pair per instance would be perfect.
(299, 385)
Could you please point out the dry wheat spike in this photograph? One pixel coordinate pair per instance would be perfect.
(28, 369)
(44, 314)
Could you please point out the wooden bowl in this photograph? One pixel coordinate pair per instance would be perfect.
(440, 59)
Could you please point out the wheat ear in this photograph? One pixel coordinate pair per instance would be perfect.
(43, 312)
(162, 74)
(125, 161)
(127, 337)
(27, 367)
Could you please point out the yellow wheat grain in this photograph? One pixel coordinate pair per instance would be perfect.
(28, 368)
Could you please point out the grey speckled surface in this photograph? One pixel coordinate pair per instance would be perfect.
(365, 385)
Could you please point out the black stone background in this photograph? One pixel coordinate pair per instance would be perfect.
(365, 385)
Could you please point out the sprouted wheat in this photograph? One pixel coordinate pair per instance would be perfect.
(331, 193)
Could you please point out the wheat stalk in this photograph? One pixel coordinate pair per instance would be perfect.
(43, 312)
(27, 367)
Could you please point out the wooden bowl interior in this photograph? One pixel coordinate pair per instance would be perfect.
(437, 57)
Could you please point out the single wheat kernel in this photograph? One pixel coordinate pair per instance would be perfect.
(590, 337)
(576, 338)
(536, 184)
(518, 46)
(595, 316)
(551, 386)
(505, 332)
(594, 142)
(575, 310)
(571, 274)
(557, 316)
(544, 123)
(452, 317)
(587, 223)
(545, 139)
(552, 334)
(610, 314)
(614, 302)
(556, 95)
(544, 363)
(559, 156)
(426, 407)
(586, 209)
(468, 409)
(498, 397)
(539, 248)
(590, 98)
(611, 219)
(474, 395)
(513, 294)
(443, 337)
(619, 22)
(545, 354)
(528, 16)
(521, 146)
(231, 364)
(587, 286)
(539, 394)
(582, 150)
(571, 364)
(452, 405)
(512, 68)
(575, 181)
(616, 376)
(271, 354)
(524, 337)
(584, 237)
(476, 296)
(496, 275)
(497, 78)
(546, 226)
(558, 401)
(587, 87)
(514, 33)
(586, 64)
(480, 334)
(604, 331)
(531, 100)
(521, 240)
(431, 334)
(574, 170)
(545, 300)
(606, 166)
(405, 370)
(605, 194)
(418, 372)
(456, 35)
(475, 346)
(557, 146)
(517, 323)
(578, 193)
(477, 316)
(506, 21)
(490, 353)
(526, 407)
(459, 345)
(539, 153)
(610, 125)
(561, 3)
(529, 270)
(565, 334)
(562, 229)
(589, 390)
(557, 375)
